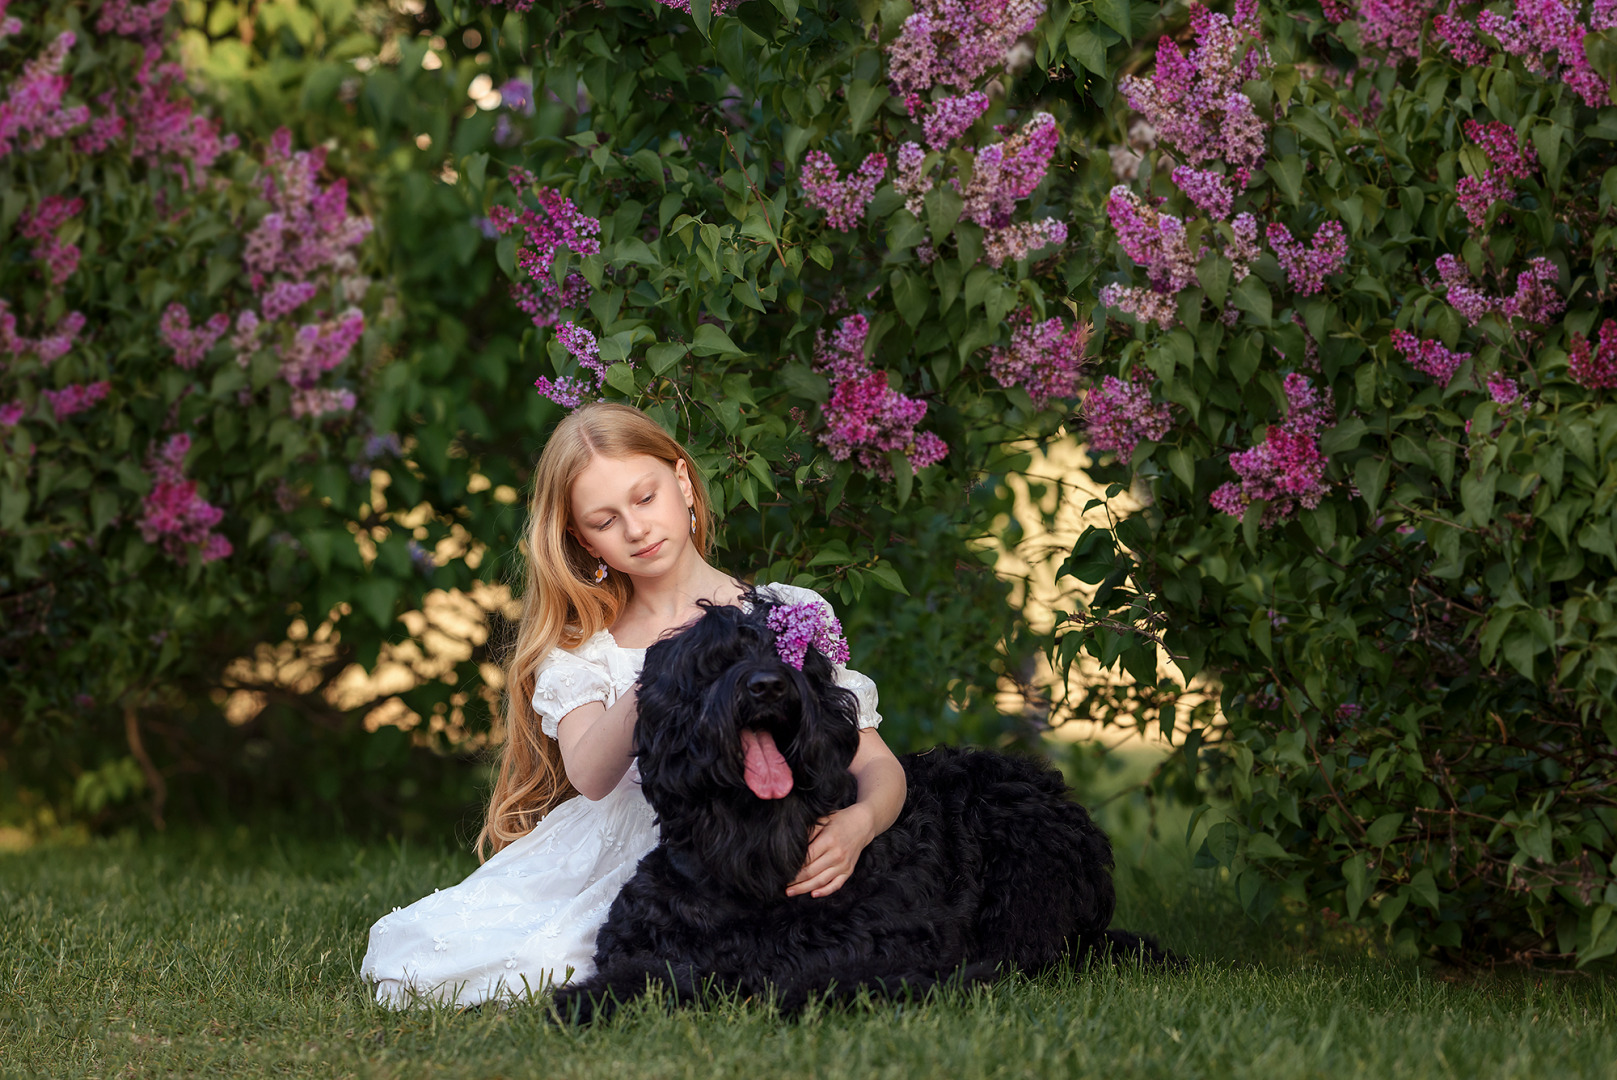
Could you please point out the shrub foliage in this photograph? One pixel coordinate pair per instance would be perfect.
(1357, 350)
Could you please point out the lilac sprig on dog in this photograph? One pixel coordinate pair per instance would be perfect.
(798, 626)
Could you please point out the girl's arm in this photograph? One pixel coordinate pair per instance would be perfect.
(597, 744)
(835, 844)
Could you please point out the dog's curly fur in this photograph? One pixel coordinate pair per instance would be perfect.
(990, 866)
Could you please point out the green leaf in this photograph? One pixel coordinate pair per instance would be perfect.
(1477, 495)
(888, 577)
(903, 475)
(1214, 274)
(864, 99)
(1370, 475)
(711, 340)
(375, 596)
(620, 377)
(1223, 841)
(1252, 296)
(1088, 48)
(911, 295)
(1115, 13)
(664, 355)
(1287, 173)
(1383, 829)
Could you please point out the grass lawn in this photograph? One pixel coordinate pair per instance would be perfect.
(238, 955)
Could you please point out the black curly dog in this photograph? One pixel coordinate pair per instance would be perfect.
(990, 867)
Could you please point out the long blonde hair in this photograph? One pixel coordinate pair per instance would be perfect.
(561, 604)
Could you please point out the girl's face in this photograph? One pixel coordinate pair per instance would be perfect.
(634, 512)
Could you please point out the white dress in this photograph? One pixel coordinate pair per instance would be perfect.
(526, 920)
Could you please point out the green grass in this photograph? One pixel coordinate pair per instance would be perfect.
(239, 955)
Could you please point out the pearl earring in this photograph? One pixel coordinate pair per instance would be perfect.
(693, 518)
(600, 571)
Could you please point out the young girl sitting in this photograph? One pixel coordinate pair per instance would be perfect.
(616, 557)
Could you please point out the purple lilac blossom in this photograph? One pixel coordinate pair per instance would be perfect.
(865, 416)
(913, 181)
(1507, 163)
(1594, 369)
(798, 627)
(843, 201)
(1307, 268)
(1536, 298)
(1008, 171)
(1195, 101)
(1018, 240)
(1146, 305)
(1043, 358)
(953, 42)
(1503, 389)
(1210, 192)
(1536, 30)
(555, 225)
(1154, 240)
(174, 513)
(1118, 414)
(1287, 469)
(75, 398)
(1429, 355)
(951, 117)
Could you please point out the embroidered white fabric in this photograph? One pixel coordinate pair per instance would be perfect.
(527, 919)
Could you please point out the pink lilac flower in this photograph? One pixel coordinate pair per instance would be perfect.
(1502, 389)
(1507, 163)
(142, 22)
(308, 229)
(1195, 101)
(1005, 172)
(1154, 240)
(1460, 35)
(55, 345)
(285, 297)
(75, 398)
(583, 347)
(1307, 268)
(1287, 469)
(913, 181)
(33, 107)
(865, 416)
(1018, 240)
(1536, 298)
(1429, 355)
(1146, 305)
(953, 42)
(565, 390)
(105, 129)
(1393, 26)
(843, 201)
(316, 348)
(248, 336)
(1594, 369)
(517, 95)
(11, 414)
(173, 513)
(1118, 414)
(555, 225)
(1208, 190)
(321, 400)
(1242, 248)
(1536, 30)
(951, 117)
(166, 128)
(9, 24)
(1043, 358)
(720, 7)
(190, 345)
(798, 627)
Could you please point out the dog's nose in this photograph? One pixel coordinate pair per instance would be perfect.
(766, 686)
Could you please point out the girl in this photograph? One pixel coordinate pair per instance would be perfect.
(617, 542)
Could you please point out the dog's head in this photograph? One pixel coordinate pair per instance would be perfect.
(740, 752)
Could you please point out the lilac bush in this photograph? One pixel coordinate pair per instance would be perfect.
(1346, 352)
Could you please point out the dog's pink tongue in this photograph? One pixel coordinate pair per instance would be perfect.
(768, 775)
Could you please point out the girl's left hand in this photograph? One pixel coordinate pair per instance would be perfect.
(833, 851)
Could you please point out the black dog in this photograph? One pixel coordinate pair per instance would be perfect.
(990, 867)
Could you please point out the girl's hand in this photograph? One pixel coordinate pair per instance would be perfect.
(833, 851)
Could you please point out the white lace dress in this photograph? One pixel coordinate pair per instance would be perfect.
(526, 919)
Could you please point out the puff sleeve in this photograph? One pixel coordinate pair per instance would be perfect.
(862, 685)
(565, 681)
